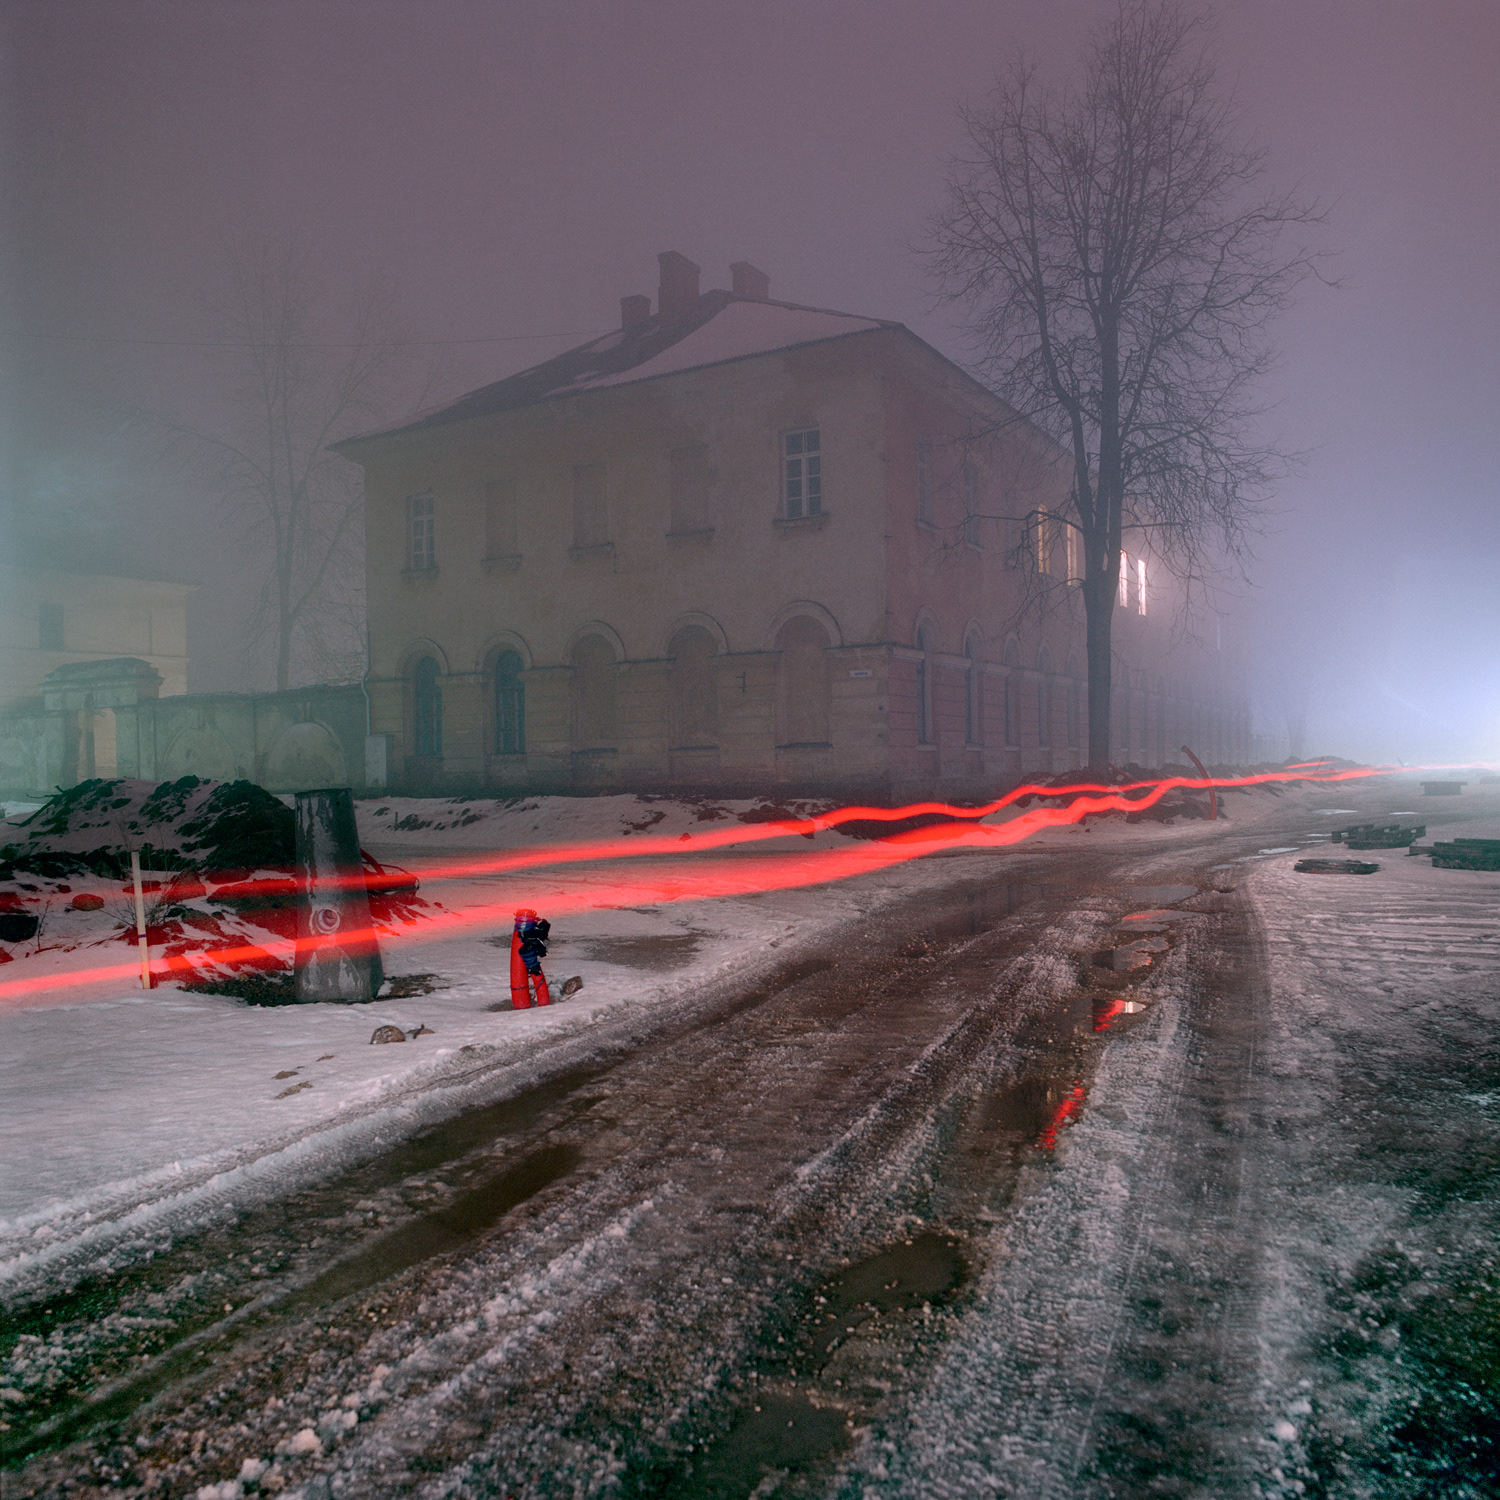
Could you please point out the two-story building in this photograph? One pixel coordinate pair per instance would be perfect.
(743, 544)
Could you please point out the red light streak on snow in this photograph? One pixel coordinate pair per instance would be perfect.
(622, 847)
(1072, 1102)
(692, 877)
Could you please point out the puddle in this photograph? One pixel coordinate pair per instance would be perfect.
(441, 1230)
(772, 1436)
(1064, 1114)
(920, 1270)
(775, 1436)
(434, 1233)
(1285, 849)
(1024, 1110)
(657, 952)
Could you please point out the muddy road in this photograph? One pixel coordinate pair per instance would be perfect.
(720, 1260)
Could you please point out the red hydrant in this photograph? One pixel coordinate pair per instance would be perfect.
(528, 947)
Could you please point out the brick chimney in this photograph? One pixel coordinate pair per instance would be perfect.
(679, 285)
(634, 310)
(748, 282)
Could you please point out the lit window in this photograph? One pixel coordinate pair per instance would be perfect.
(924, 480)
(971, 504)
(421, 551)
(1124, 580)
(1041, 539)
(1072, 549)
(1140, 585)
(802, 474)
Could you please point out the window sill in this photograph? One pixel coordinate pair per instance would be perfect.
(801, 523)
(411, 575)
(702, 535)
(505, 562)
(594, 549)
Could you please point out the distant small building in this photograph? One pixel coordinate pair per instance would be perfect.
(741, 544)
(64, 601)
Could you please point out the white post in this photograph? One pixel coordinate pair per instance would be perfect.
(140, 919)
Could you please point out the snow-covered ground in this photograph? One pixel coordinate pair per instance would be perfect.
(1208, 1289)
(126, 1113)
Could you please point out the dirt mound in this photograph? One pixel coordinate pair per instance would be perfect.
(175, 825)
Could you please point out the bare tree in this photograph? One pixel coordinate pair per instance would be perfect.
(1120, 267)
(300, 379)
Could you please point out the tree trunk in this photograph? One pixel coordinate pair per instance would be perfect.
(1099, 608)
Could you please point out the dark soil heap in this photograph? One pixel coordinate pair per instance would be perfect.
(175, 825)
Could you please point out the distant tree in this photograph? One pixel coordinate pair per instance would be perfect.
(1120, 266)
(301, 377)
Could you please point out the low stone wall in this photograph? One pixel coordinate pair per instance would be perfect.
(115, 726)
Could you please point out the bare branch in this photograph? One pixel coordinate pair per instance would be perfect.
(1121, 265)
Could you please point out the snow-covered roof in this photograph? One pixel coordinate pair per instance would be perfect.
(721, 326)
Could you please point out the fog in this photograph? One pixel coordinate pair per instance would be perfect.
(510, 170)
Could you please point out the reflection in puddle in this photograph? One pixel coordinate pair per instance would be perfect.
(1107, 1012)
(1064, 1114)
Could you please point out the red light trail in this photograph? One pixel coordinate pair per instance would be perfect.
(701, 878)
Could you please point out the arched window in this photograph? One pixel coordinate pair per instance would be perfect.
(1044, 699)
(1012, 676)
(802, 683)
(693, 689)
(973, 716)
(510, 704)
(594, 694)
(427, 708)
(924, 689)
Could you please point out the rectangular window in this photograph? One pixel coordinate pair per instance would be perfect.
(1124, 580)
(49, 627)
(1140, 585)
(500, 518)
(421, 550)
(802, 474)
(690, 490)
(971, 503)
(924, 480)
(590, 518)
(1071, 541)
(1012, 531)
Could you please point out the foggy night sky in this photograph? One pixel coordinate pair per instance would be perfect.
(512, 169)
